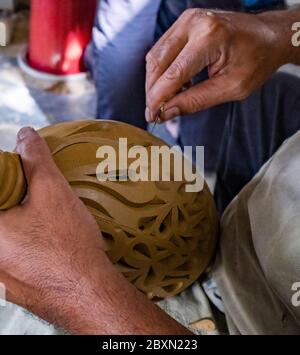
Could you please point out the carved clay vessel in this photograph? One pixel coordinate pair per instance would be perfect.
(158, 235)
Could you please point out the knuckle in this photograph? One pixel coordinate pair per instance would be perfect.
(195, 12)
(30, 144)
(215, 26)
(212, 25)
(149, 55)
(151, 98)
(187, 61)
(151, 63)
(194, 103)
(162, 49)
(211, 21)
(170, 42)
(175, 72)
(193, 17)
(187, 13)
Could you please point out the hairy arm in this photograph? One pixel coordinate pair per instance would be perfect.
(108, 304)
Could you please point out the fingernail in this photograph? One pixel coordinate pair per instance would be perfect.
(171, 113)
(148, 115)
(25, 132)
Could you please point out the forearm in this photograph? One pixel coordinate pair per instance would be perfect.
(285, 26)
(108, 304)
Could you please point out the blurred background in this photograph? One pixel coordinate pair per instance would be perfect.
(29, 98)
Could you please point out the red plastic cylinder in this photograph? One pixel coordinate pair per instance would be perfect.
(59, 33)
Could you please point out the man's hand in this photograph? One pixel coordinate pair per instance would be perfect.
(240, 51)
(52, 258)
(47, 244)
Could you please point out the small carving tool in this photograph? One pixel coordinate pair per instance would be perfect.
(158, 117)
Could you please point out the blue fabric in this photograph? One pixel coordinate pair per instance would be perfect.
(255, 128)
(262, 4)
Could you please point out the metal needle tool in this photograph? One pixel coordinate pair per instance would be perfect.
(158, 116)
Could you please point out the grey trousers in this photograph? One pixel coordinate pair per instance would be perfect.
(258, 265)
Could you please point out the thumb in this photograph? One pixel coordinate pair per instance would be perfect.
(34, 153)
(209, 93)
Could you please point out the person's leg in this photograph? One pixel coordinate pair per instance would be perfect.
(254, 130)
(122, 35)
(257, 266)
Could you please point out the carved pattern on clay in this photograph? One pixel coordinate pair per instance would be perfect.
(159, 236)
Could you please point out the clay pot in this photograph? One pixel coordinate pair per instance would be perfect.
(158, 235)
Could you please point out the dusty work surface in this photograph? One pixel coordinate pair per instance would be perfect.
(25, 101)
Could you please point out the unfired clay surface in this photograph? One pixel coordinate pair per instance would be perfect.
(158, 235)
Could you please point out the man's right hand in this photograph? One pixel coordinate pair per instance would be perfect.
(240, 50)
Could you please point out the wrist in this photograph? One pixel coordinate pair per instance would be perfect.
(280, 33)
(81, 312)
(70, 298)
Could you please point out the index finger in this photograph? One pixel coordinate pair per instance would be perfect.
(188, 63)
(161, 56)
